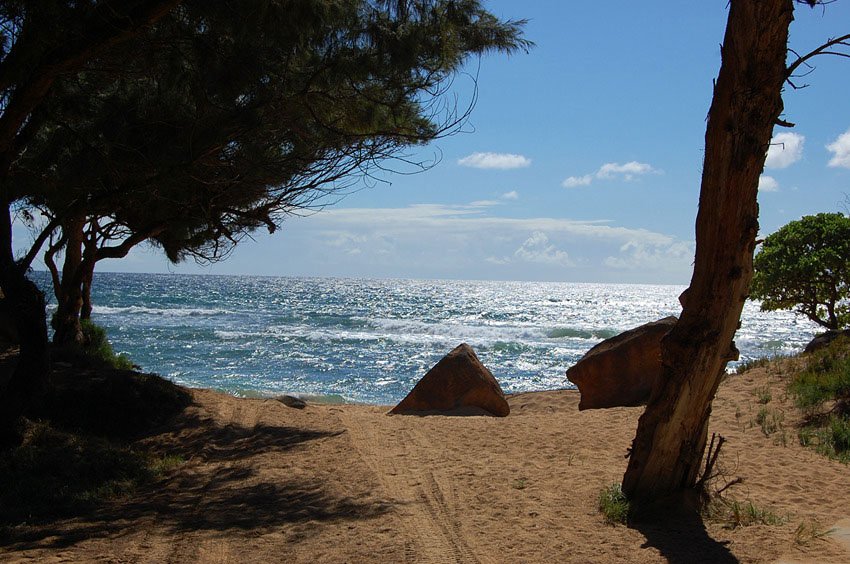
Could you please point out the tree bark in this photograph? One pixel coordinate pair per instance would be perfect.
(667, 450)
(69, 294)
(23, 303)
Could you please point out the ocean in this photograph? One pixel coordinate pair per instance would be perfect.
(370, 341)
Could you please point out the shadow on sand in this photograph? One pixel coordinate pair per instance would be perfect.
(218, 494)
(684, 540)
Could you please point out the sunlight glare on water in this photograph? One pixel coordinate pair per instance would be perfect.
(371, 340)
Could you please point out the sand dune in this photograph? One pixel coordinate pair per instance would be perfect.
(263, 482)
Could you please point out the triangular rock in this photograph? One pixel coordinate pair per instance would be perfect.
(622, 370)
(458, 381)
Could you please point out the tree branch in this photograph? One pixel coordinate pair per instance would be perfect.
(106, 30)
(26, 262)
(120, 251)
(844, 41)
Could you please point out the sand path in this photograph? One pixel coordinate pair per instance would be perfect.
(408, 467)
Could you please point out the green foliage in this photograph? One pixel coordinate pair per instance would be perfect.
(208, 126)
(97, 346)
(229, 116)
(830, 437)
(826, 377)
(55, 473)
(111, 403)
(613, 504)
(805, 267)
(824, 384)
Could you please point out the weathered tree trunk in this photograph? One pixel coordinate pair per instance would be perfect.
(69, 293)
(23, 303)
(671, 437)
(90, 258)
(88, 278)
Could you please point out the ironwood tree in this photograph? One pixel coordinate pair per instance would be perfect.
(666, 455)
(40, 42)
(212, 119)
(221, 149)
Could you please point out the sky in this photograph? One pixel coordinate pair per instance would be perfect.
(580, 162)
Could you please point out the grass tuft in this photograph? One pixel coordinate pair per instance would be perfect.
(735, 514)
(808, 531)
(770, 420)
(613, 504)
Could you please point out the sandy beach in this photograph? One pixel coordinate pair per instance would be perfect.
(263, 482)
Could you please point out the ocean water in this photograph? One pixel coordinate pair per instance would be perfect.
(371, 340)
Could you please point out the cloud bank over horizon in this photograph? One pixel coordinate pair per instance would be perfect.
(448, 240)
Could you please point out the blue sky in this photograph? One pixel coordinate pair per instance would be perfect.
(581, 160)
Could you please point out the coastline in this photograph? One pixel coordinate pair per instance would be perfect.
(261, 481)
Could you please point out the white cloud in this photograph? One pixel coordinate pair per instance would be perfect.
(785, 149)
(768, 184)
(512, 195)
(640, 255)
(628, 170)
(841, 150)
(608, 171)
(537, 248)
(422, 218)
(574, 181)
(463, 241)
(500, 161)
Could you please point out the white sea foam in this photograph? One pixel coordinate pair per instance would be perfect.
(166, 312)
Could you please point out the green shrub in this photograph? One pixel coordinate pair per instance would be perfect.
(613, 504)
(822, 391)
(97, 346)
(830, 438)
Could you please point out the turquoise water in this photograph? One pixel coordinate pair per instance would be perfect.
(371, 340)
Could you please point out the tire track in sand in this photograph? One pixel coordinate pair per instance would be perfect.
(402, 460)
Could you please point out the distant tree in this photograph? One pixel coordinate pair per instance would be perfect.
(805, 267)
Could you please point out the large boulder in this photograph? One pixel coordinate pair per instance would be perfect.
(825, 339)
(459, 383)
(622, 370)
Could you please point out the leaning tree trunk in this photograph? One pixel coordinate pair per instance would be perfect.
(671, 436)
(90, 258)
(23, 303)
